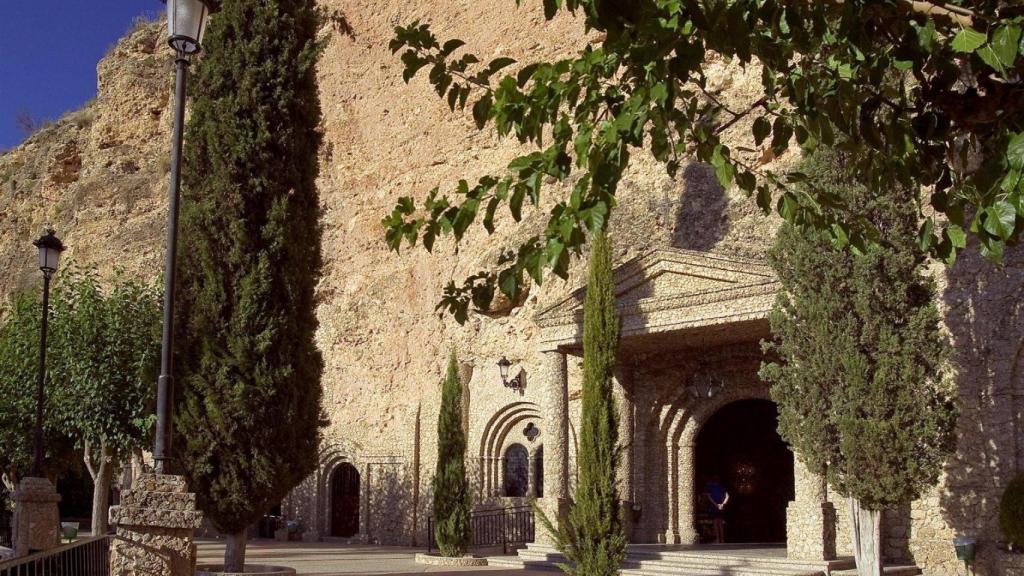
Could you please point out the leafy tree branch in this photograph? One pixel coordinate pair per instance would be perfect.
(921, 95)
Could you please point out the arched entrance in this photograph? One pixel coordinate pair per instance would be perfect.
(345, 500)
(740, 446)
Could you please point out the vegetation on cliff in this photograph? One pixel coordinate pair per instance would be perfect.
(924, 97)
(452, 497)
(862, 373)
(250, 413)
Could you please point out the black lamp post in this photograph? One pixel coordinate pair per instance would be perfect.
(186, 23)
(50, 248)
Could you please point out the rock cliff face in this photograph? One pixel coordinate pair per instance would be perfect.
(99, 177)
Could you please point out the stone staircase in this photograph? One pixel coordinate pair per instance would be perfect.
(664, 561)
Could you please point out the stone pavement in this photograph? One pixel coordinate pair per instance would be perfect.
(325, 559)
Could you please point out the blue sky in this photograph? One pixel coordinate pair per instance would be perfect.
(48, 54)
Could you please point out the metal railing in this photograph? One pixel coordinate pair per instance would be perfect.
(85, 557)
(492, 528)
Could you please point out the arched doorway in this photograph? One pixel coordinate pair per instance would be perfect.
(517, 471)
(740, 446)
(345, 501)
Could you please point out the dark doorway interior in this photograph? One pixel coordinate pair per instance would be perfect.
(516, 471)
(345, 501)
(741, 448)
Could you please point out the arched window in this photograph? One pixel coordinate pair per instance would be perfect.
(516, 471)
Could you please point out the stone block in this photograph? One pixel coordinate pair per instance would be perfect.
(155, 525)
(36, 525)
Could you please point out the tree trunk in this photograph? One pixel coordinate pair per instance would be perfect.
(10, 481)
(102, 475)
(867, 539)
(234, 552)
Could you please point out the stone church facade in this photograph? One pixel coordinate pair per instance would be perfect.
(692, 408)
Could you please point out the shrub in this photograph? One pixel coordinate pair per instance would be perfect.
(1011, 512)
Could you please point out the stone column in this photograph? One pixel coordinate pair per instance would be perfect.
(36, 519)
(364, 504)
(555, 413)
(810, 518)
(623, 390)
(685, 494)
(672, 497)
(531, 474)
(155, 523)
(641, 416)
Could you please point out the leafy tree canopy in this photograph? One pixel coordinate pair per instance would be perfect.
(106, 349)
(19, 369)
(924, 95)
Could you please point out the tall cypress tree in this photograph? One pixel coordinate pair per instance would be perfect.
(250, 414)
(593, 538)
(452, 499)
(861, 381)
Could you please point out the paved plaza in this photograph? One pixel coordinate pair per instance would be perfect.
(325, 559)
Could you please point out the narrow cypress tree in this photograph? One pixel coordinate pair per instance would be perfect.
(593, 538)
(452, 500)
(250, 413)
(861, 378)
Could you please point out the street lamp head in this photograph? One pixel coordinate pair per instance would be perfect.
(50, 248)
(504, 365)
(186, 24)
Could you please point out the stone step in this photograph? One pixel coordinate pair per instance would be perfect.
(646, 568)
(655, 561)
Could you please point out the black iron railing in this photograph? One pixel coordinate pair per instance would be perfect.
(492, 528)
(85, 557)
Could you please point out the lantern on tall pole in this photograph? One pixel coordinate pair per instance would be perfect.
(186, 24)
(50, 248)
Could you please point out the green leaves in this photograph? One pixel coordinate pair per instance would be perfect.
(999, 220)
(917, 102)
(968, 40)
(1015, 151)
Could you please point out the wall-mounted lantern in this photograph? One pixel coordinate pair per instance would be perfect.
(964, 546)
(516, 383)
(705, 386)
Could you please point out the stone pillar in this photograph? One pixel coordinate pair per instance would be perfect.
(685, 494)
(155, 523)
(555, 413)
(36, 518)
(364, 503)
(531, 474)
(641, 417)
(810, 518)
(623, 390)
(672, 496)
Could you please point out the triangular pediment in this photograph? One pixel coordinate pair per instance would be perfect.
(674, 286)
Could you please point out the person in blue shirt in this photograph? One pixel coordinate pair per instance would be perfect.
(718, 496)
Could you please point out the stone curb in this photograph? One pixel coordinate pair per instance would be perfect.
(249, 570)
(435, 560)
